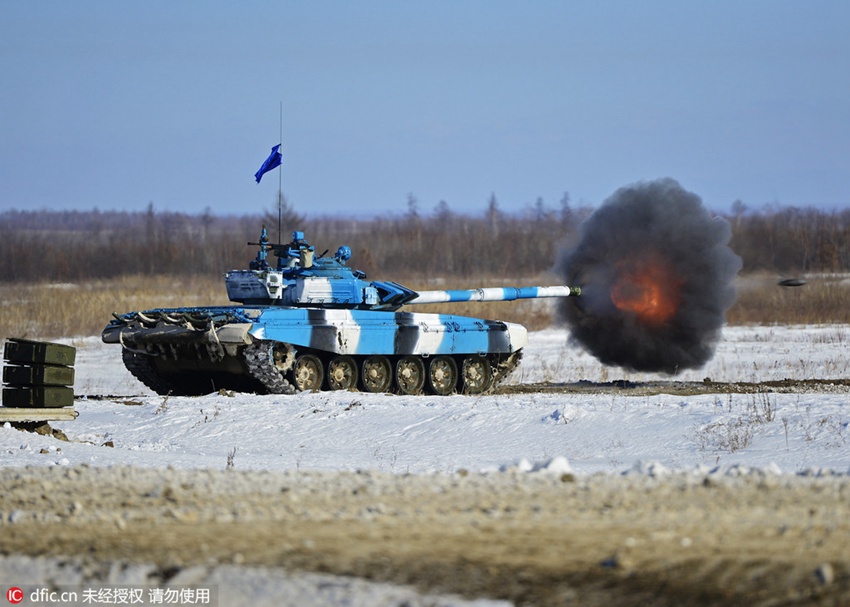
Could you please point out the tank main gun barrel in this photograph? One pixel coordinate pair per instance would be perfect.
(495, 294)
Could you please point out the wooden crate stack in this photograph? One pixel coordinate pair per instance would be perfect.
(38, 375)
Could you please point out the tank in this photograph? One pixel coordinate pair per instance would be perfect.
(311, 322)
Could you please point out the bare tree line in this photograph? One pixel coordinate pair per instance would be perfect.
(41, 246)
(792, 239)
(68, 246)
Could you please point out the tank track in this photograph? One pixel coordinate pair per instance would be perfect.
(505, 368)
(268, 364)
(142, 368)
(259, 358)
(271, 363)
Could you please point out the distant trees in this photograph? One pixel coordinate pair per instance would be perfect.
(72, 245)
(284, 217)
(792, 239)
(67, 246)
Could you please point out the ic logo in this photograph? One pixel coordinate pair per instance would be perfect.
(14, 595)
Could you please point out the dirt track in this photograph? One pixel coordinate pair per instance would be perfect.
(535, 538)
(683, 388)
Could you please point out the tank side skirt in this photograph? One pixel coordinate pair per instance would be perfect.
(363, 332)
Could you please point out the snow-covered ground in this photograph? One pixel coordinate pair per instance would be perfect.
(128, 424)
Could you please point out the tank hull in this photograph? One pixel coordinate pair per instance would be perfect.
(285, 349)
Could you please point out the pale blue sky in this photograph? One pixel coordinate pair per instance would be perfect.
(114, 105)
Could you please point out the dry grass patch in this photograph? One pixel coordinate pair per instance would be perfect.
(61, 310)
(822, 300)
(50, 311)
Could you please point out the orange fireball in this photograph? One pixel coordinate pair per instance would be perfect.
(647, 287)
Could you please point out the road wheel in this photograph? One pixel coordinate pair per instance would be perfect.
(377, 374)
(342, 373)
(477, 374)
(308, 373)
(410, 375)
(442, 375)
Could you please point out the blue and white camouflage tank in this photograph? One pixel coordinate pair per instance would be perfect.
(313, 323)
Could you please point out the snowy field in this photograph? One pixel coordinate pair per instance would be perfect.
(122, 422)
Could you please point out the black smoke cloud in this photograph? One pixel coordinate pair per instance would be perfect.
(654, 219)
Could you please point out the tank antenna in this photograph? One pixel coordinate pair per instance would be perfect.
(280, 181)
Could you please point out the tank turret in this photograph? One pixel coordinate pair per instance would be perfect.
(311, 322)
(303, 279)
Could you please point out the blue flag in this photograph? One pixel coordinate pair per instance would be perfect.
(272, 162)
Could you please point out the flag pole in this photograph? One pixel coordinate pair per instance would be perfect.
(280, 181)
